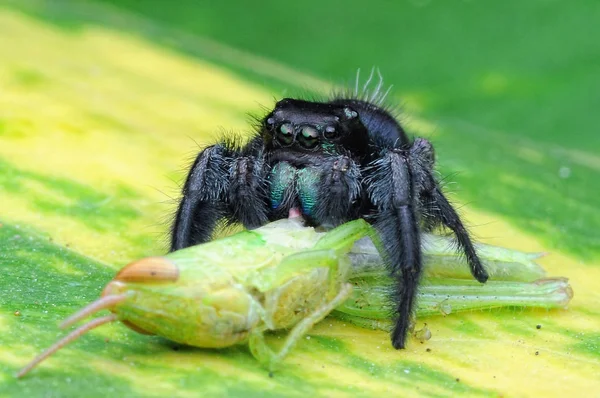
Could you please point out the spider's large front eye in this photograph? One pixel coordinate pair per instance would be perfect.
(309, 137)
(269, 122)
(285, 134)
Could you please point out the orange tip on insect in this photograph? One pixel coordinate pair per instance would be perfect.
(150, 269)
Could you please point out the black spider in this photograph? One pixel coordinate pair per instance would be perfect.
(335, 161)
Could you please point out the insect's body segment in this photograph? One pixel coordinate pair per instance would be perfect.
(230, 291)
(220, 312)
(224, 301)
(335, 161)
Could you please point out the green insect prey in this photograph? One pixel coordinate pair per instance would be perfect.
(231, 290)
(284, 276)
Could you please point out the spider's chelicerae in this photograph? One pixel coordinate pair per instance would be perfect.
(335, 161)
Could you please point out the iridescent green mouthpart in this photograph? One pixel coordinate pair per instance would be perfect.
(287, 182)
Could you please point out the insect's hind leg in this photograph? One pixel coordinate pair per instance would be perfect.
(263, 353)
(293, 265)
(327, 253)
(342, 238)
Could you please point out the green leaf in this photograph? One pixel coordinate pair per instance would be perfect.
(98, 107)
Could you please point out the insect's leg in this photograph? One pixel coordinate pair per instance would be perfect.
(327, 253)
(261, 351)
(342, 238)
(365, 323)
(391, 188)
(273, 278)
(329, 193)
(296, 263)
(438, 210)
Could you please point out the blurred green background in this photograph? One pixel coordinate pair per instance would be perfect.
(509, 87)
(101, 100)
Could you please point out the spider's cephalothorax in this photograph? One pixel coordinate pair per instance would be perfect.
(335, 161)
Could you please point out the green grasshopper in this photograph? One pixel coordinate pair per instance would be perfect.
(286, 276)
(231, 290)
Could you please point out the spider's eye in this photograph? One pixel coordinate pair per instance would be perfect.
(269, 122)
(309, 137)
(330, 132)
(350, 113)
(285, 134)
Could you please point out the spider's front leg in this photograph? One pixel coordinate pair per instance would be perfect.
(225, 181)
(401, 185)
(391, 186)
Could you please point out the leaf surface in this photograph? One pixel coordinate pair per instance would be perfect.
(96, 126)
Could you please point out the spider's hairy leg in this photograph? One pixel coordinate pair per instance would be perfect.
(391, 188)
(217, 186)
(438, 209)
(450, 219)
(329, 192)
(200, 207)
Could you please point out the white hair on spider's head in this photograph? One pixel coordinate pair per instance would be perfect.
(375, 96)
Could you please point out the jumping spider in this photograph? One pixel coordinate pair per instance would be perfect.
(336, 161)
